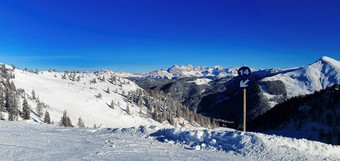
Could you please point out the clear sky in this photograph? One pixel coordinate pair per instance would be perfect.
(144, 35)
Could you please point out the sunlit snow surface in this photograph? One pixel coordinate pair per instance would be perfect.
(36, 141)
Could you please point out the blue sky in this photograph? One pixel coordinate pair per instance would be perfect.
(139, 36)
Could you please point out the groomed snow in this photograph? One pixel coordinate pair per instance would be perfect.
(37, 141)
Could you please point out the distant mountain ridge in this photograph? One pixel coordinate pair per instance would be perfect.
(319, 75)
(182, 71)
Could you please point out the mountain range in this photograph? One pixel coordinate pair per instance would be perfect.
(220, 97)
(177, 96)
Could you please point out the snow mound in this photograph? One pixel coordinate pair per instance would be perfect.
(234, 141)
(248, 143)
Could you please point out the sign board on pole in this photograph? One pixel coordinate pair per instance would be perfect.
(244, 73)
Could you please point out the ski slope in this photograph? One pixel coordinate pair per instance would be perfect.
(27, 140)
(80, 99)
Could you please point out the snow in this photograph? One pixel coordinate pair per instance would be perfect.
(306, 80)
(201, 81)
(26, 140)
(191, 71)
(79, 98)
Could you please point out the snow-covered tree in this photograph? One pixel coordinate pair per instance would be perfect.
(128, 109)
(13, 108)
(108, 90)
(99, 96)
(33, 94)
(2, 102)
(81, 123)
(47, 118)
(12, 86)
(112, 105)
(26, 112)
(65, 120)
(39, 109)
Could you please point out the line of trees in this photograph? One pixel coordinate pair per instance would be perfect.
(161, 107)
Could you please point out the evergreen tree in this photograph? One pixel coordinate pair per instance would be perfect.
(25, 110)
(33, 94)
(112, 104)
(40, 109)
(65, 120)
(47, 118)
(99, 96)
(12, 86)
(128, 109)
(108, 90)
(2, 102)
(13, 108)
(81, 123)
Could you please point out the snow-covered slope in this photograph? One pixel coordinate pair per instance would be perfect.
(306, 80)
(191, 71)
(80, 98)
(34, 141)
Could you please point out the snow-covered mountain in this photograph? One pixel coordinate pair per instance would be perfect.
(319, 75)
(80, 98)
(99, 98)
(190, 71)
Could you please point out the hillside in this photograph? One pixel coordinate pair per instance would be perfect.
(221, 97)
(314, 117)
(98, 98)
(306, 80)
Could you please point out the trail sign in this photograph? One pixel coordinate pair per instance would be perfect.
(244, 73)
(244, 83)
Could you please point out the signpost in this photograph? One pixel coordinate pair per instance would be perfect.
(244, 73)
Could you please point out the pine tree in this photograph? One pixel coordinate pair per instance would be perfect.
(13, 108)
(99, 95)
(40, 109)
(25, 110)
(81, 123)
(36, 71)
(12, 86)
(108, 90)
(47, 118)
(33, 94)
(2, 102)
(65, 120)
(112, 104)
(140, 101)
(128, 109)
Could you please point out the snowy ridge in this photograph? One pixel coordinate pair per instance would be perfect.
(191, 71)
(305, 80)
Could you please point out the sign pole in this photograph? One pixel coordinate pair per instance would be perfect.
(244, 74)
(244, 110)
